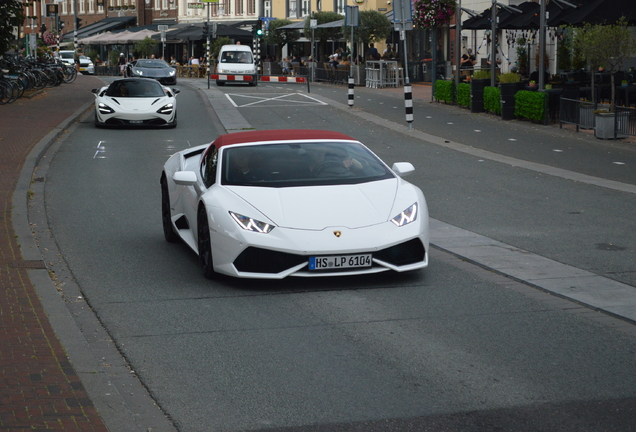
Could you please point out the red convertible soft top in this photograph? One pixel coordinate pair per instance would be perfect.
(278, 135)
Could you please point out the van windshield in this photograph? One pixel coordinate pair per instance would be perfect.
(236, 57)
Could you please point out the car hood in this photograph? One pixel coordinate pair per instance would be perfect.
(319, 207)
(136, 104)
(153, 72)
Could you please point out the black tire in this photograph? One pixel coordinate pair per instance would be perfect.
(97, 123)
(204, 245)
(168, 230)
(220, 83)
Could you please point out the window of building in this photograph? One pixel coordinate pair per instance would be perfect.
(339, 6)
(292, 9)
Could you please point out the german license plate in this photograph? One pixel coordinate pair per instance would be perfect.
(136, 121)
(339, 261)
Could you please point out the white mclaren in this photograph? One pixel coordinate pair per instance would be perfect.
(278, 203)
(136, 102)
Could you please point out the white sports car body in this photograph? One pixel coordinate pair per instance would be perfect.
(135, 102)
(272, 204)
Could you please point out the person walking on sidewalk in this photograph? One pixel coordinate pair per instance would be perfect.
(122, 64)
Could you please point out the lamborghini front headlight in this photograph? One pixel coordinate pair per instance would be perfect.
(406, 217)
(249, 224)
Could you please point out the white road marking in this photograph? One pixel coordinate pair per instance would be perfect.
(263, 99)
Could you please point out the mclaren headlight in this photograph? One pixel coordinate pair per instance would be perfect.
(105, 109)
(249, 224)
(406, 217)
(166, 109)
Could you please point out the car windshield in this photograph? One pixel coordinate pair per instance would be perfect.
(66, 55)
(135, 88)
(152, 64)
(301, 164)
(236, 57)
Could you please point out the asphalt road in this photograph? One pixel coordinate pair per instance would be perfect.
(454, 347)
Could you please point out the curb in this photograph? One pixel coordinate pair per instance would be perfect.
(119, 397)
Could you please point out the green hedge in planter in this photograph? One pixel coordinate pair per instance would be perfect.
(444, 91)
(492, 99)
(463, 94)
(530, 104)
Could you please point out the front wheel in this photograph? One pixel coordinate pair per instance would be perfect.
(166, 217)
(205, 245)
(220, 83)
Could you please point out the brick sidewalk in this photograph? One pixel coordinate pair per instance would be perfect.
(39, 388)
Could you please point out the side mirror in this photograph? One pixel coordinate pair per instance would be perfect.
(185, 178)
(176, 91)
(95, 91)
(403, 168)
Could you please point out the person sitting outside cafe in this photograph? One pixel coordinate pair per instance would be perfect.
(345, 63)
(286, 66)
(468, 61)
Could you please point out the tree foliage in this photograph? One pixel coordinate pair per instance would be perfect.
(11, 15)
(374, 27)
(323, 35)
(146, 47)
(280, 37)
(606, 45)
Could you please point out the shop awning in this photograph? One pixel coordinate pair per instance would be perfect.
(298, 25)
(585, 11)
(111, 23)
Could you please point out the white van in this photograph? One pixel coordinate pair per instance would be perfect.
(236, 60)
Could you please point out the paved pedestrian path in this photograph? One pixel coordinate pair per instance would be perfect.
(39, 387)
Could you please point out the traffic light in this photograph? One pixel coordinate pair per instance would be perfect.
(60, 23)
(258, 29)
(78, 22)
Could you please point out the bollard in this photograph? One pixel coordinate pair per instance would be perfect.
(350, 91)
(408, 104)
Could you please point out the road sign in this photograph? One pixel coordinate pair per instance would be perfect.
(352, 16)
(402, 15)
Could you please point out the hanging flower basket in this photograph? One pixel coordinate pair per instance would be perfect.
(433, 13)
(125, 7)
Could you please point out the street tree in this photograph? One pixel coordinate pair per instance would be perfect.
(11, 15)
(374, 27)
(146, 47)
(278, 37)
(323, 35)
(606, 46)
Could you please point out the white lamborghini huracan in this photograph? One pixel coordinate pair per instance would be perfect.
(278, 203)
